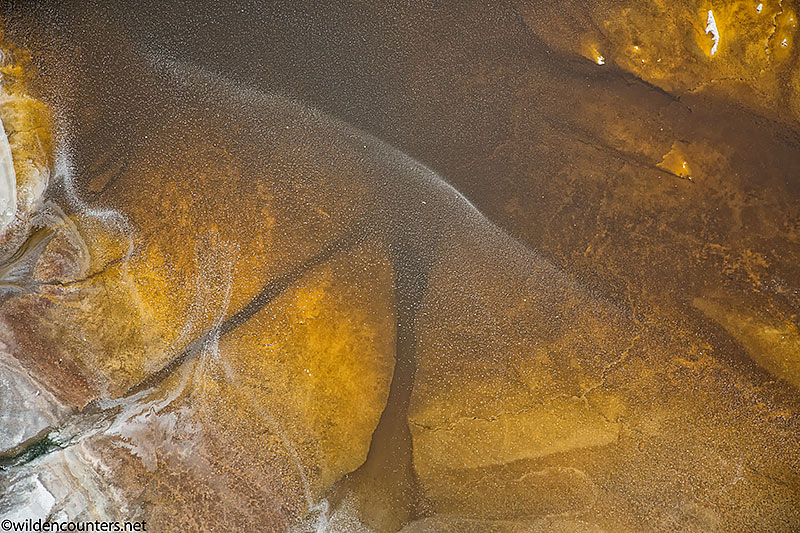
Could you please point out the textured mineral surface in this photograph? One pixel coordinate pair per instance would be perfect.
(424, 267)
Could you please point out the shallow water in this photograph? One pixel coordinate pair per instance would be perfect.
(459, 267)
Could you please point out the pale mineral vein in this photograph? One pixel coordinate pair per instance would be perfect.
(8, 181)
(711, 28)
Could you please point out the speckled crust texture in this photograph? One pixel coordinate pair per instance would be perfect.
(527, 266)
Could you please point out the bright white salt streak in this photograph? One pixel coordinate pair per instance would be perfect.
(8, 181)
(711, 27)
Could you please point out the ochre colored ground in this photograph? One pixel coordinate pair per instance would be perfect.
(263, 317)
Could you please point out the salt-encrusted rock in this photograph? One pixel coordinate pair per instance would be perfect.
(27, 411)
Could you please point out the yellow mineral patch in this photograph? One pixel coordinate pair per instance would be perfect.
(594, 55)
(119, 319)
(105, 247)
(675, 162)
(27, 121)
(770, 337)
(740, 49)
(794, 98)
(520, 489)
(121, 336)
(317, 362)
(781, 42)
(557, 426)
